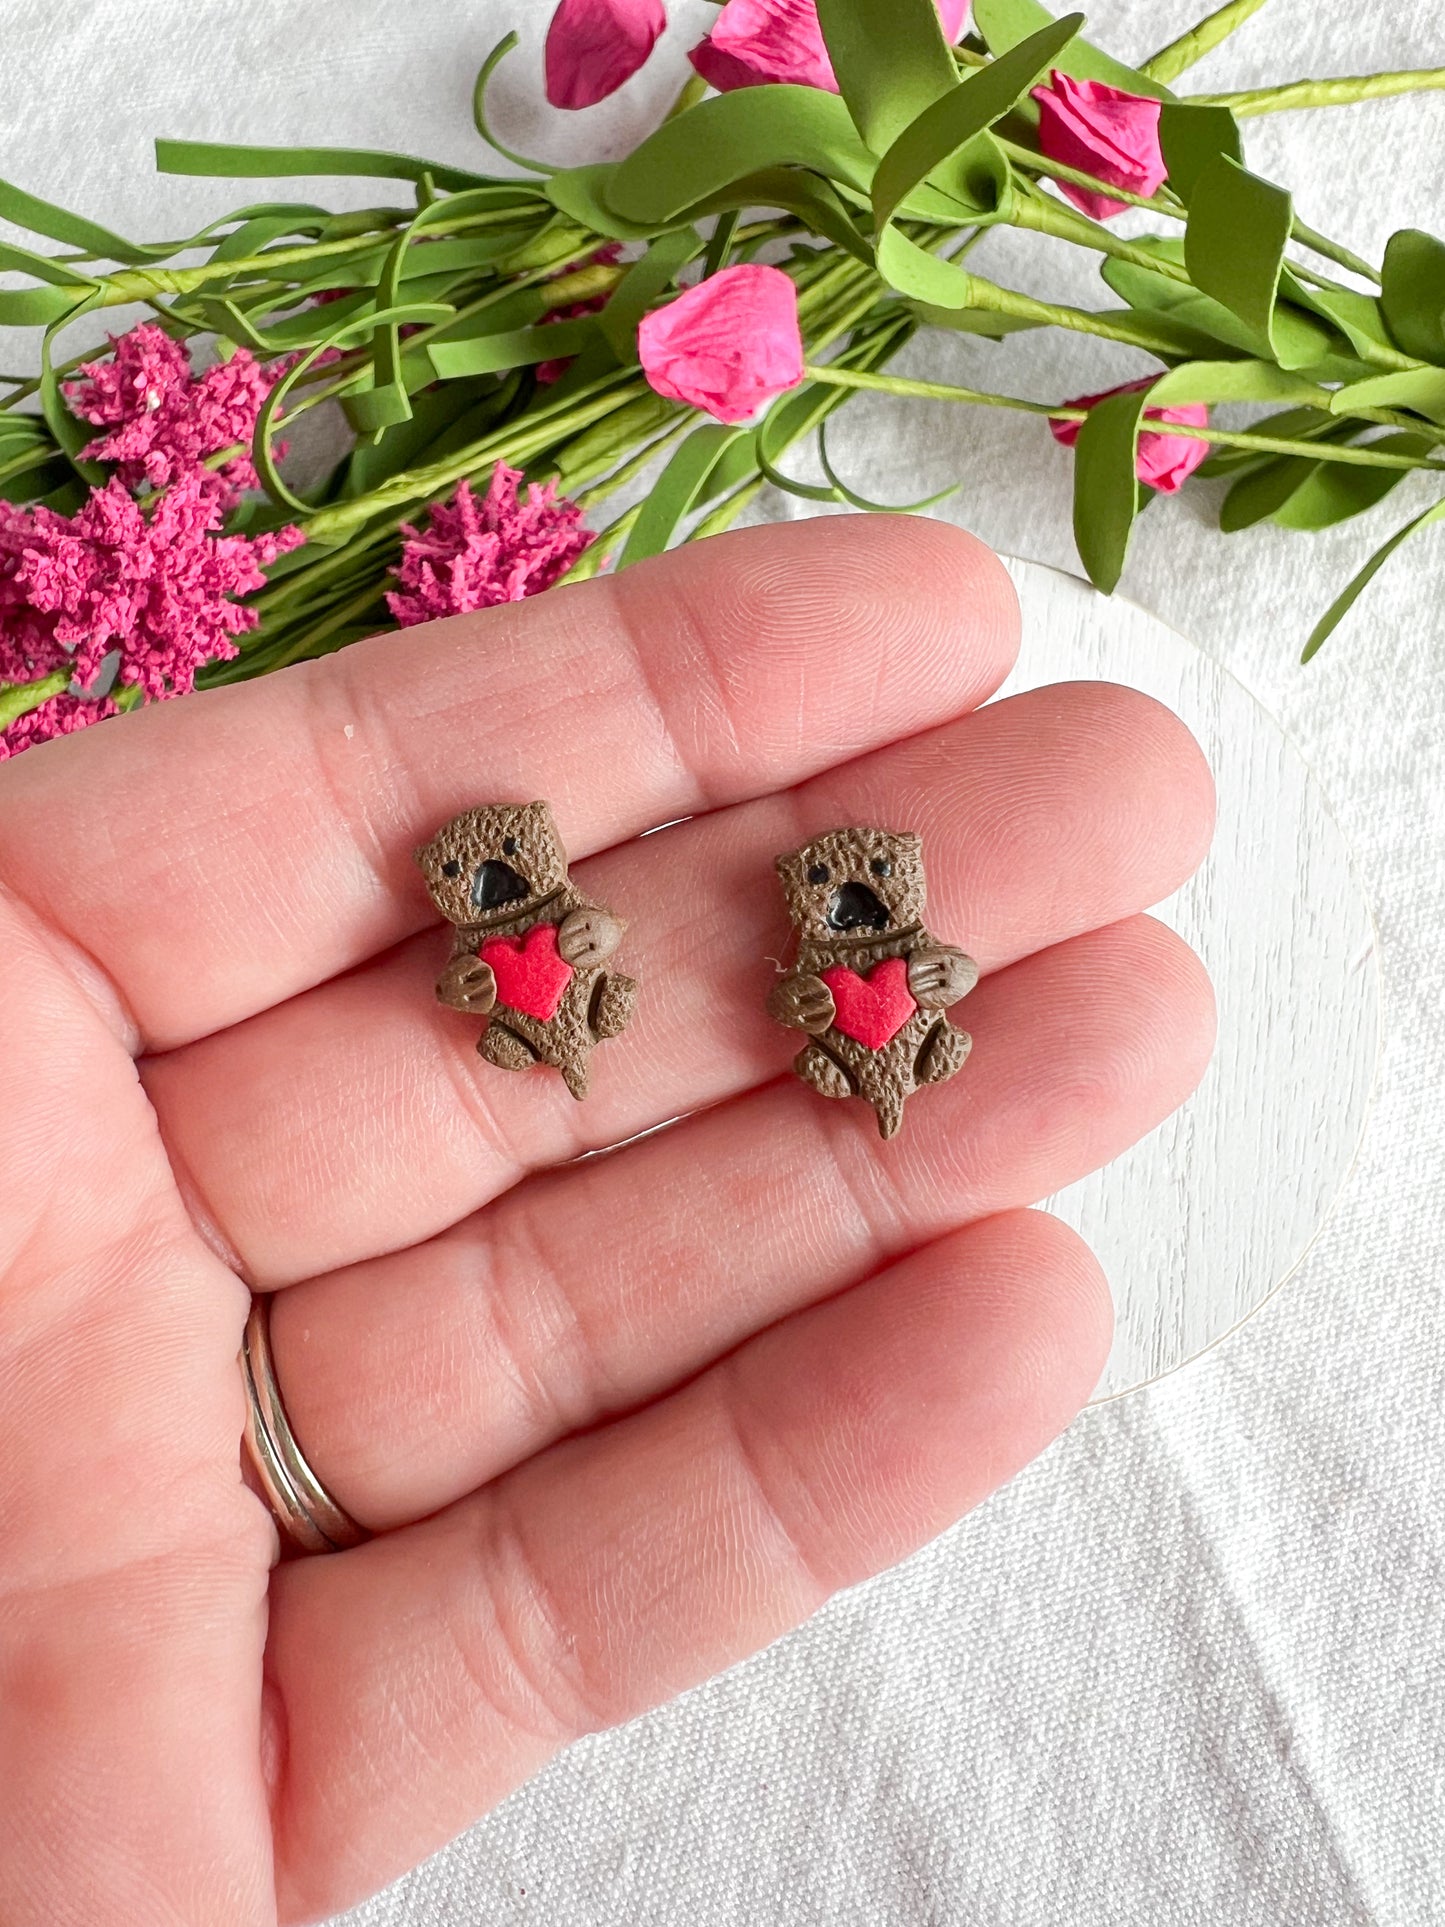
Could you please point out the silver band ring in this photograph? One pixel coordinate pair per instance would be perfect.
(304, 1509)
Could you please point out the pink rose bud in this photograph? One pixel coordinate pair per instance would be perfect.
(727, 345)
(757, 42)
(1164, 462)
(594, 45)
(1103, 132)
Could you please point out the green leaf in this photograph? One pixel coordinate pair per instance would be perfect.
(581, 193)
(732, 135)
(1294, 424)
(1303, 341)
(1191, 135)
(1257, 496)
(71, 433)
(1422, 389)
(218, 159)
(975, 321)
(1107, 494)
(857, 501)
(644, 281)
(1004, 23)
(814, 200)
(1359, 317)
(1234, 244)
(479, 107)
(890, 60)
(947, 130)
(677, 489)
(1334, 492)
(1413, 293)
(510, 348)
(59, 224)
(950, 143)
(1352, 591)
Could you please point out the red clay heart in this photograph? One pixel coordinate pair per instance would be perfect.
(530, 975)
(872, 1009)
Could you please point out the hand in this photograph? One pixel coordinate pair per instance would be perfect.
(588, 936)
(802, 1002)
(939, 975)
(468, 984)
(595, 1475)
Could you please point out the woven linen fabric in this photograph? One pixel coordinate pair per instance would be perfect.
(1190, 1667)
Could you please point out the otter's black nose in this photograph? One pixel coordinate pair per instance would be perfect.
(496, 884)
(855, 907)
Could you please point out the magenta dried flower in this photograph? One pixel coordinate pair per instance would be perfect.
(164, 421)
(475, 553)
(151, 586)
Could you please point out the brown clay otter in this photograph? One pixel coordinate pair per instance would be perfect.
(869, 984)
(529, 949)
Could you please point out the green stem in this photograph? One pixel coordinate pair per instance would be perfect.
(728, 510)
(1341, 91)
(1225, 438)
(1045, 216)
(1134, 332)
(1025, 157)
(1203, 38)
(18, 699)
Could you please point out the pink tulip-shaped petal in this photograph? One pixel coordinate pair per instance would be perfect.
(1163, 462)
(952, 14)
(756, 43)
(594, 45)
(1104, 132)
(727, 345)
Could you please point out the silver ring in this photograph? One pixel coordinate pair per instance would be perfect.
(304, 1509)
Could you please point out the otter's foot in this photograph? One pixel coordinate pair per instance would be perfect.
(613, 1002)
(818, 1070)
(505, 1048)
(575, 1073)
(942, 1054)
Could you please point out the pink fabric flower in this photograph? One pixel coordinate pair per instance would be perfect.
(1164, 462)
(163, 420)
(727, 345)
(757, 42)
(152, 587)
(474, 554)
(1101, 131)
(595, 45)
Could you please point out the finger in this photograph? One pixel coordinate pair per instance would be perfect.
(358, 1119)
(419, 1678)
(413, 1378)
(257, 839)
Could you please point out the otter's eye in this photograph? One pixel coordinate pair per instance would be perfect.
(451, 868)
(819, 873)
(881, 867)
(509, 846)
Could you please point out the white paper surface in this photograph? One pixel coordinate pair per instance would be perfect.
(1190, 1668)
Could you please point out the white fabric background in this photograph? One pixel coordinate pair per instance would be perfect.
(1188, 1668)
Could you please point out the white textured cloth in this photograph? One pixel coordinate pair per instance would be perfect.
(1190, 1668)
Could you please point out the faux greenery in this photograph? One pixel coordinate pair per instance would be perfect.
(868, 199)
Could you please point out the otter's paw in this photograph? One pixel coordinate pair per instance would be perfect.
(802, 1002)
(942, 1054)
(613, 1002)
(467, 984)
(818, 1070)
(505, 1049)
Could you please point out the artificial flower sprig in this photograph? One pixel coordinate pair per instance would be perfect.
(510, 351)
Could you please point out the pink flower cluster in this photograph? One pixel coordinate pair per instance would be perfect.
(163, 421)
(130, 594)
(474, 554)
(152, 587)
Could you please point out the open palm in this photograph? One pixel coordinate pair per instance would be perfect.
(615, 1423)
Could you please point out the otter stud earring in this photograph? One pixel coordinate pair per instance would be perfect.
(869, 984)
(530, 951)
